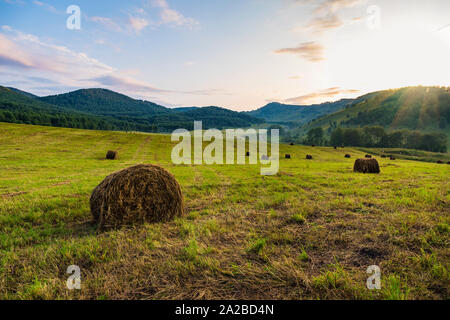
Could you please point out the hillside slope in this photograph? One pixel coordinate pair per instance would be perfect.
(283, 113)
(125, 113)
(19, 107)
(413, 108)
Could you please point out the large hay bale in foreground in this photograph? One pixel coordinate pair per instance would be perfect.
(366, 166)
(143, 193)
(111, 155)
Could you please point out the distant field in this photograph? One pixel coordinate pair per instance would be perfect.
(308, 233)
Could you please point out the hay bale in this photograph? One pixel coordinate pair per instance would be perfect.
(143, 193)
(368, 156)
(366, 166)
(111, 155)
(309, 157)
(291, 143)
(287, 156)
(348, 156)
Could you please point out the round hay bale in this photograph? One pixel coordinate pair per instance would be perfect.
(143, 193)
(309, 157)
(368, 156)
(366, 166)
(111, 155)
(348, 156)
(287, 156)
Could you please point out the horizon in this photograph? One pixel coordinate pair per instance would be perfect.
(227, 108)
(235, 55)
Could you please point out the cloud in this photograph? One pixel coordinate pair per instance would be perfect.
(125, 83)
(321, 24)
(326, 17)
(172, 17)
(332, 6)
(137, 23)
(107, 22)
(311, 51)
(11, 55)
(321, 96)
(47, 7)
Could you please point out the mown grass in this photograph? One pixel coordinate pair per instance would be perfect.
(309, 232)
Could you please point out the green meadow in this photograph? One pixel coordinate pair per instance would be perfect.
(309, 232)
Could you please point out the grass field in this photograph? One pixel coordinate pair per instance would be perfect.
(309, 232)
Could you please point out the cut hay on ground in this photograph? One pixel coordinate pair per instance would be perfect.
(111, 155)
(366, 166)
(143, 193)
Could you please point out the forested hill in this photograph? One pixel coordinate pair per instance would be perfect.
(296, 114)
(19, 107)
(105, 102)
(108, 110)
(413, 108)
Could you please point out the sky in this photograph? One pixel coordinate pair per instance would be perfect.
(236, 54)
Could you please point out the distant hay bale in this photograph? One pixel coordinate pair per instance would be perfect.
(348, 156)
(111, 155)
(366, 166)
(143, 193)
(309, 157)
(287, 156)
(291, 143)
(368, 156)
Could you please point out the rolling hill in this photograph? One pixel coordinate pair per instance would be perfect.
(118, 110)
(19, 107)
(295, 114)
(413, 108)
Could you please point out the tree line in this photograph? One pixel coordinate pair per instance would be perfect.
(378, 137)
